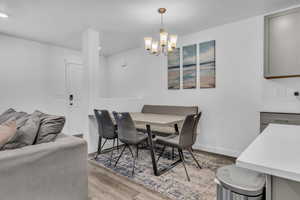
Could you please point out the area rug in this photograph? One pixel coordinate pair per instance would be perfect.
(173, 183)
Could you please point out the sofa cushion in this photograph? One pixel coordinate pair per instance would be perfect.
(7, 132)
(25, 135)
(50, 127)
(6, 115)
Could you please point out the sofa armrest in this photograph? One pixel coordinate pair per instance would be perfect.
(49, 171)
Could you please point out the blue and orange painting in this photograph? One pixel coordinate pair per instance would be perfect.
(189, 54)
(207, 56)
(174, 69)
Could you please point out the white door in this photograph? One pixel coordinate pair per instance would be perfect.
(74, 86)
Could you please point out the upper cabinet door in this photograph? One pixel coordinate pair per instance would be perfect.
(282, 44)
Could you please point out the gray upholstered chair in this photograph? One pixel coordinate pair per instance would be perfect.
(106, 130)
(184, 141)
(166, 131)
(128, 135)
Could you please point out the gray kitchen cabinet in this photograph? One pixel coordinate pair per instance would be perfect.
(282, 44)
(267, 118)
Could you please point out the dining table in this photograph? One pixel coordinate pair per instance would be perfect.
(151, 119)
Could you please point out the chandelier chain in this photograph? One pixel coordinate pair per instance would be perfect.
(162, 20)
(166, 43)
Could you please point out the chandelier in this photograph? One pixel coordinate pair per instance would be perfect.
(167, 43)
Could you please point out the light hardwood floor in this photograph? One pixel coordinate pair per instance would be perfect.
(103, 184)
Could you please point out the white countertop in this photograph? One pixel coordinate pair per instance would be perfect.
(276, 151)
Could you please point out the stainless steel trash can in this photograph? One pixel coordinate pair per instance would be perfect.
(234, 183)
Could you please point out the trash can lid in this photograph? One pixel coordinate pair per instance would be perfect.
(241, 181)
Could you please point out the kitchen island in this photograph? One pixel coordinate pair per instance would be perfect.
(276, 153)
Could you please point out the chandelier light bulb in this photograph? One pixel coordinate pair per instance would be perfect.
(170, 48)
(173, 41)
(163, 38)
(154, 49)
(148, 43)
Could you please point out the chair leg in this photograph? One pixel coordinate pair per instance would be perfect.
(99, 147)
(183, 163)
(133, 166)
(131, 151)
(112, 152)
(137, 151)
(161, 153)
(173, 153)
(118, 144)
(133, 159)
(120, 155)
(190, 151)
(103, 144)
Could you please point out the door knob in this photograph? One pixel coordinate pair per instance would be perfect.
(71, 98)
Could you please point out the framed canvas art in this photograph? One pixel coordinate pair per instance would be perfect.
(207, 57)
(174, 69)
(189, 64)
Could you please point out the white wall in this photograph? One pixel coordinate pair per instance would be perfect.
(230, 119)
(101, 78)
(32, 75)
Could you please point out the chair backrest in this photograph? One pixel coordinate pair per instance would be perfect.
(170, 110)
(106, 127)
(197, 119)
(126, 129)
(188, 132)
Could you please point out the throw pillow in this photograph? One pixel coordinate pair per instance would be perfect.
(50, 127)
(15, 116)
(6, 114)
(7, 132)
(22, 120)
(25, 135)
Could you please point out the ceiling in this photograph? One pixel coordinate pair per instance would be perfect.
(123, 23)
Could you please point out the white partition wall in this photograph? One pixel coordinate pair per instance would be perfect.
(90, 54)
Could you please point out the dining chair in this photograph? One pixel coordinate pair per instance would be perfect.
(184, 141)
(128, 135)
(106, 130)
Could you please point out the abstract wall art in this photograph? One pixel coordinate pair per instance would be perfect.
(189, 64)
(207, 58)
(174, 69)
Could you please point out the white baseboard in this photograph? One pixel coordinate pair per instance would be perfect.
(218, 150)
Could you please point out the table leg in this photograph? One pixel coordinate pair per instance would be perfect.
(154, 163)
(152, 152)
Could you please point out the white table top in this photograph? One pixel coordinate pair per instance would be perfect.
(156, 119)
(276, 151)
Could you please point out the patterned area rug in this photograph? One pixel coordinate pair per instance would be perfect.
(172, 184)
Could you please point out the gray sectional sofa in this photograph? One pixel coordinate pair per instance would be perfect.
(48, 171)
(41, 163)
